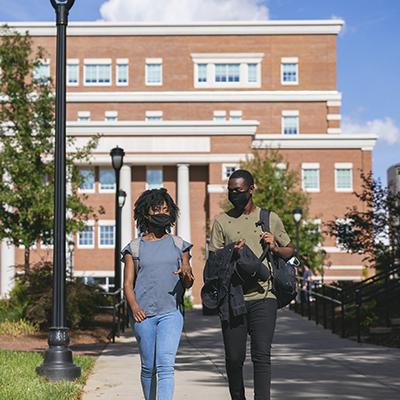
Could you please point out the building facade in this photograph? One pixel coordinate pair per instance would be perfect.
(187, 103)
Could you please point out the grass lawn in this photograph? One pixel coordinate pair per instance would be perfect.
(19, 381)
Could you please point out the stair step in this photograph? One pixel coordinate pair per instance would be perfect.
(395, 321)
(379, 330)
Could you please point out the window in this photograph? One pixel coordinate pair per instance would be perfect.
(227, 70)
(235, 115)
(106, 236)
(345, 232)
(72, 72)
(111, 116)
(84, 116)
(251, 73)
(310, 177)
(42, 72)
(154, 115)
(289, 71)
(343, 177)
(202, 73)
(122, 72)
(220, 115)
(86, 238)
(47, 241)
(97, 72)
(107, 180)
(228, 170)
(153, 71)
(154, 178)
(290, 125)
(227, 73)
(88, 181)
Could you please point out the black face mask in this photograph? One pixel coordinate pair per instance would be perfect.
(239, 199)
(160, 222)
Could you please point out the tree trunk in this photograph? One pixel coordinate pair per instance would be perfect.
(26, 258)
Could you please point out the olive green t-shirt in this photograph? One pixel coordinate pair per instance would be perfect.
(233, 226)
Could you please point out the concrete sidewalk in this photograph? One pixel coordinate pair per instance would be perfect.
(307, 362)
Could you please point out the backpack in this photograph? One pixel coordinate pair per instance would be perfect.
(284, 281)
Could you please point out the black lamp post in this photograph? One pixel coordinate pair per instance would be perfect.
(117, 157)
(297, 218)
(58, 364)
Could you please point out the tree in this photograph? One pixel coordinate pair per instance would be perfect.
(27, 110)
(373, 231)
(278, 190)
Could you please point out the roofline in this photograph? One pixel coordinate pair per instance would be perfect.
(103, 28)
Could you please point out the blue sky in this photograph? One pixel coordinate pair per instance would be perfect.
(368, 48)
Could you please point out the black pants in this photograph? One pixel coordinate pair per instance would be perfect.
(259, 323)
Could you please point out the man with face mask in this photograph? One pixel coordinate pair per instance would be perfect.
(240, 226)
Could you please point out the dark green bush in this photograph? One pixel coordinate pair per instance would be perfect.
(32, 296)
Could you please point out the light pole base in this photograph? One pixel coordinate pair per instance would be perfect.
(58, 364)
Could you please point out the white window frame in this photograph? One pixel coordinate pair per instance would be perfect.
(106, 190)
(96, 61)
(310, 166)
(290, 60)
(211, 59)
(290, 113)
(120, 62)
(44, 62)
(219, 115)
(225, 166)
(111, 116)
(74, 62)
(94, 183)
(84, 116)
(154, 61)
(154, 116)
(348, 166)
(155, 168)
(89, 223)
(235, 115)
(103, 223)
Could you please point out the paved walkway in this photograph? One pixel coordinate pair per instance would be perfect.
(308, 363)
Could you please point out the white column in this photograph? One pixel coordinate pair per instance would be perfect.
(184, 202)
(126, 214)
(7, 268)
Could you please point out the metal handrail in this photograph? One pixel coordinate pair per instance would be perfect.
(118, 303)
(360, 296)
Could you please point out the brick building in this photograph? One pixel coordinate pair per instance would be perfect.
(187, 103)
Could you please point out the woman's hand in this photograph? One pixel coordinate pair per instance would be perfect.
(185, 270)
(139, 315)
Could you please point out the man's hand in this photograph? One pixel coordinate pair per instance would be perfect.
(269, 238)
(139, 315)
(239, 244)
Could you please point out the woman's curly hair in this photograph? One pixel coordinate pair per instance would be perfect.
(153, 198)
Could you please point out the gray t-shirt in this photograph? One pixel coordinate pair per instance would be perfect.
(158, 291)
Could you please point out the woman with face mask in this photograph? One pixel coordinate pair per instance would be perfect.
(155, 290)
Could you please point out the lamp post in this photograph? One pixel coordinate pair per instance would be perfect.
(117, 158)
(71, 247)
(58, 364)
(297, 218)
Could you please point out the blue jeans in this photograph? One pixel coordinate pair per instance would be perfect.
(158, 340)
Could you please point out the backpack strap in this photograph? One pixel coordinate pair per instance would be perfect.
(135, 246)
(178, 241)
(264, 219)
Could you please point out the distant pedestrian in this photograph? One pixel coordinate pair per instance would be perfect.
(155, 292)
(306, 283)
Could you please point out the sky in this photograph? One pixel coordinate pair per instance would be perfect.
(368, 48)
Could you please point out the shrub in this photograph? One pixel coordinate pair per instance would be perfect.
(188, 301)
(17, 328)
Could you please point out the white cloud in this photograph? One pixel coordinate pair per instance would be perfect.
(184, 10)
(386, 129)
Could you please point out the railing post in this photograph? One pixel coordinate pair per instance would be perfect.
(387, 299)
(324, 306)
(333, 315)
(342, 312)
(316, 310)
(358, 305)
(309, 305)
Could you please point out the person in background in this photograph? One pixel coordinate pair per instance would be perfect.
(155, 292)
(306, 283)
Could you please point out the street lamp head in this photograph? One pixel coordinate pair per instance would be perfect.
(117, 157)
(71, 246)
(297, 215)
(67, 3)
(121, 198)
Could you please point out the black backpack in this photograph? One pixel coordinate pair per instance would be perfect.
(284, 281)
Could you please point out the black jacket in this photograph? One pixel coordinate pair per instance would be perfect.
(224, 276)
